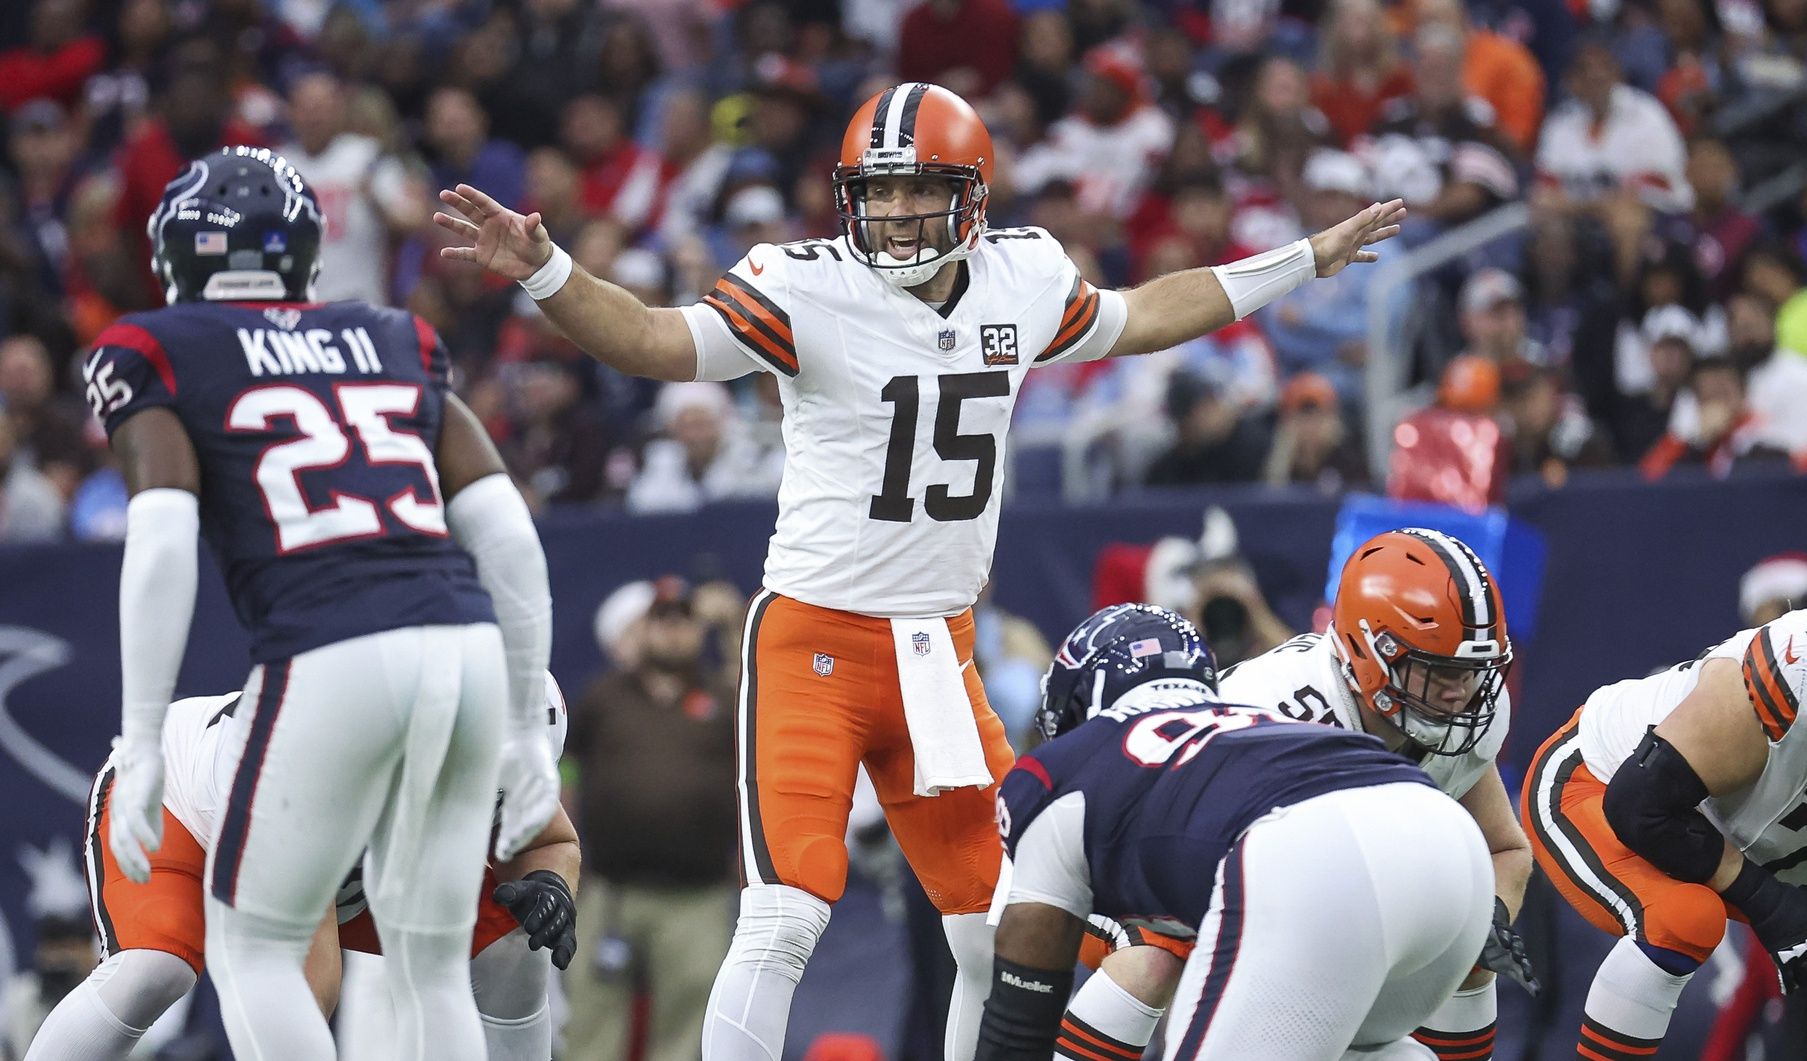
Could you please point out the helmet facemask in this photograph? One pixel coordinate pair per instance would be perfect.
(1412, 696)
(956, 228)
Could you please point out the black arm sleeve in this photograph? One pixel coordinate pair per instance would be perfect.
(1653, 804)
(1022, 1016)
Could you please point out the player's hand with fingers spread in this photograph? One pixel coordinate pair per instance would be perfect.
(135, 807)
(1337, 247)
(529, 783)
(491, 235)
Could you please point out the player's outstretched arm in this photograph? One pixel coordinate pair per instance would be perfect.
(489, 520)
(1032, 978)
(539, 888)
(157, 581)
(609, 323)
(1171, 309)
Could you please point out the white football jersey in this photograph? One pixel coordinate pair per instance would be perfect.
(1768, 820)
(1302, 679)
(349, 178)
(895, 411)
(198, 763)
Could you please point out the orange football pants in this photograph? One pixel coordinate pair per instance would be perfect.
(164, 913)
(819, 695)
(1606, 882)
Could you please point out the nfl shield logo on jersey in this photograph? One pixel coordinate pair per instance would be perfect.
(946, 339)
(920, 643)
(824, 664)
(285, 318)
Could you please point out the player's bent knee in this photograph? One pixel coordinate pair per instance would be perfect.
(1687, 920)
(1148, 973)
(778, 928)
(138, 986)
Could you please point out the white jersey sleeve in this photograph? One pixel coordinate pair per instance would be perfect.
(744, 322)
(1050, 866)
(1091, 320)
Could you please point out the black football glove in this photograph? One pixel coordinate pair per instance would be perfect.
(541, 901)
(1504, 952)
(1778, 914)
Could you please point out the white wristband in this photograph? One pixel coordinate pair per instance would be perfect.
(546, 282)
(1254, 282)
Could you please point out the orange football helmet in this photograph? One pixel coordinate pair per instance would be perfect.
(913, 129)
(1417, 617)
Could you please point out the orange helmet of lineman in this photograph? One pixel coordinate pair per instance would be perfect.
(1420, 630)
(916, 129)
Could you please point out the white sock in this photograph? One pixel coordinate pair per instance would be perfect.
(1464, 1026)
(1103, 1019)
(521, 1039)
(750, 1005)
(1631, 1001)
(269, 1010)
(106, 1014)
(970, 939)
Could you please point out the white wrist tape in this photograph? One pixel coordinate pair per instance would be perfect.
(546, 282)
(1255, 281)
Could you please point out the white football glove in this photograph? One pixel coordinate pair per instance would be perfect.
(529, 784)
(135, 807)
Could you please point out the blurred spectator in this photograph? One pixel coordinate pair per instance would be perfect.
(1438, 149)
(652, 743)
(1716, 429)
(55, 62)
(1359, 68)
(1322, 327)
(1609, 136)
(31, 510)
(1215, 441)
(702, 455)
(49, 429)
(1454, 452)
(554, 189)
(1641, 418)
(1011, 655)
(1666, 284)
(366, 197)
(1551, 432)
(1109, 148)
(463, 152)
(1045, 64)
(1278, 128)
(753, 215)
(61, 960)
(698, 164)
(43, 148)
(1778, 382)
(560, 445)
(1720, 229)
(968, 46)
(1492, 319)
(194, 117)
(1772, 588)
(1313, 444)
(1497, 69)
(1235, 617)
(620, 178)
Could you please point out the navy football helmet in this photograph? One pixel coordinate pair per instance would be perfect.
(1112, 652)
(240, 224)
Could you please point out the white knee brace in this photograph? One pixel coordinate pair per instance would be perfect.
(778, 929)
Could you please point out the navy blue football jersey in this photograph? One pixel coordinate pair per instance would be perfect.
(315, 427)
(1170, 786)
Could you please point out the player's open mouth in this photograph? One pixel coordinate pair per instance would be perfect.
(903, 248)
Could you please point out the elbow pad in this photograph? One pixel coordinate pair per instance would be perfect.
(1022, 1015)
(1653, 804)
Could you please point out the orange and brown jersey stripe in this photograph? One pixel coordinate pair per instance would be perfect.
(762, 327)
(1082, 1042)
(1772, 694)
(1464, 1046)
(1600, 1043)
(1075, 323)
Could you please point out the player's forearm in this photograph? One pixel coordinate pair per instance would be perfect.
(611, 325)
(489, 520)
(562, 857)
(1172, 309)
(157, 582)
(1511, 875)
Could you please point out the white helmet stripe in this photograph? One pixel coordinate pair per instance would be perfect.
(893, 117)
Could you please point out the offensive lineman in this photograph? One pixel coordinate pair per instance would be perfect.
(345, 492)
(1337, 896)
(152, 940)
(898, 348)
(1416, 654)
(1665, 806)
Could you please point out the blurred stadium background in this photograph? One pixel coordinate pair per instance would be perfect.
(1587, 354)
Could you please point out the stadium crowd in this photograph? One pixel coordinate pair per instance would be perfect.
(1650, 312)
